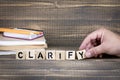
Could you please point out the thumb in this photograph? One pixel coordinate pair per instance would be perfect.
(94, 51)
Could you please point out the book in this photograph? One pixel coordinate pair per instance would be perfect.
(20, 31)
(14, 48)
(27, 35)
(7, 52)
(5, 41)
(15, 41)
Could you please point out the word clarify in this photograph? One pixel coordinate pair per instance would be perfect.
(50, 55)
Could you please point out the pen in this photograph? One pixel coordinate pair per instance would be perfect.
(27, 32)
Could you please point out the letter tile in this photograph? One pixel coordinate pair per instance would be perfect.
(81, 54)
(30, 55)
(50, 54)
(40, 54)
(70, 55)
(20, 55)
(60, 55)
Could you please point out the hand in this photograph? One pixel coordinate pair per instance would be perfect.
(101, 41)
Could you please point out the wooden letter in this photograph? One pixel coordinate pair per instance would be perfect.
(70, 55)
(20, 55)
(30, 54)
(81, 54)
(50, 54)
(40, 54)
(60, 55)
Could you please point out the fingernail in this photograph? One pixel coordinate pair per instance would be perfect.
(88, 54)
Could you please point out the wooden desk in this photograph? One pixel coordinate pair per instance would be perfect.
(66, 23)
(89, 69)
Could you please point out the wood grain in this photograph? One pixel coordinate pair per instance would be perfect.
(44, 69)
(65, 23)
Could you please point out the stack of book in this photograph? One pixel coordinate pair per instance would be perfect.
(21, 39)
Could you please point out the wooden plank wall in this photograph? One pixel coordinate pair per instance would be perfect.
(65, 22)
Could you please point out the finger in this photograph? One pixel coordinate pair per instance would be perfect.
(94, 35)
(94, 51)
(89, 46)
(85, 42)
(88, 39)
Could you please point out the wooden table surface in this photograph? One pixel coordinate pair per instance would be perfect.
(65, 23)
(89, 69)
